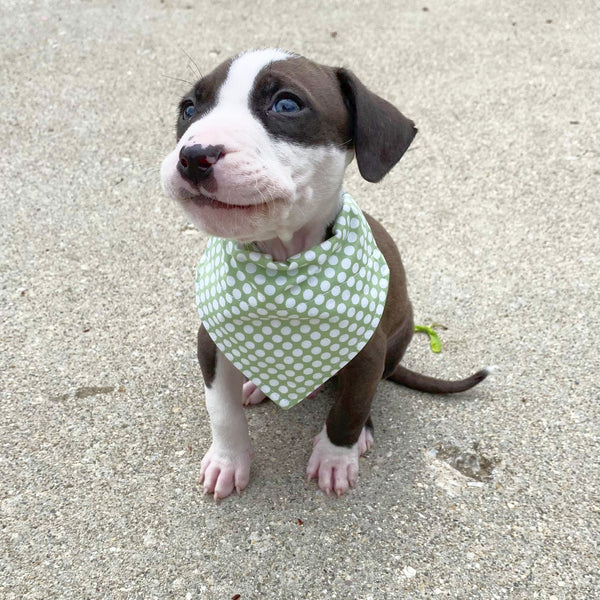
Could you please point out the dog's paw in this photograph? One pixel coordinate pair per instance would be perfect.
(336, 467)
(251, 394)
(365, 441)
(222, 472)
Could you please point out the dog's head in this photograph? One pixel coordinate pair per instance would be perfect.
(263, 142)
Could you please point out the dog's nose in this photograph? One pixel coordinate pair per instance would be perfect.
(196, 162)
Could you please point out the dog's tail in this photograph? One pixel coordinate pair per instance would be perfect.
(431, 385)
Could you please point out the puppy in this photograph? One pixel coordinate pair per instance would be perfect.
(297, 285)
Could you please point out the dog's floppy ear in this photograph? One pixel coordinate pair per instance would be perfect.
(381, 134)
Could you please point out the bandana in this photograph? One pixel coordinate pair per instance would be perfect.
(290, 326)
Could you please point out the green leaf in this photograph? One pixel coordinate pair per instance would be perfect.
(434, 341)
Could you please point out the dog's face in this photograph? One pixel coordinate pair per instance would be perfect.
(263, 142)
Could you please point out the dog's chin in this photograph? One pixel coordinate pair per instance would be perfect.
(240, 222)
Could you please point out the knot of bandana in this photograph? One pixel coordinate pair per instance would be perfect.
(290, 326)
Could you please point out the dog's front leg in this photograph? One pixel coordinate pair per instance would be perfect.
(347, 434)
(226, 465)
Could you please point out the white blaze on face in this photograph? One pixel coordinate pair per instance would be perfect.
(280, 186)
(235, 92)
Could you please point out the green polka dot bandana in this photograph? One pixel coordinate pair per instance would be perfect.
(290, 326)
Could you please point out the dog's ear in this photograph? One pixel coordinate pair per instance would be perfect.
(381, 134)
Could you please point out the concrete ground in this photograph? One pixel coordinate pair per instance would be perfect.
(496, 209)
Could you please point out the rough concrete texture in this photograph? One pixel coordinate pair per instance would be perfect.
(496, 211)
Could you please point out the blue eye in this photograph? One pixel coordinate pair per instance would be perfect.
(189, 111)
(285, 105)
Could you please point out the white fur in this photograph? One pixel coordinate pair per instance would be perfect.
(243, 72)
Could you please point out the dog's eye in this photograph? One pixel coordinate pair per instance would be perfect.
(286, 105)
(188, 111)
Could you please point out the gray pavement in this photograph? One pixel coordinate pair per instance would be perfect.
(496, 210)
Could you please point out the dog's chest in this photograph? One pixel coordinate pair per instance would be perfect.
(290, 326)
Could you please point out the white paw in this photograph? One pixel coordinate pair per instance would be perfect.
(251, 394)
(365, 441)
(336, 467)
(225, 471)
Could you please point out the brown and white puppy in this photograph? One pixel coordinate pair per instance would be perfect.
(263, 142)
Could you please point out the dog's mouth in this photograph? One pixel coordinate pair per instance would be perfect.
(203, 201)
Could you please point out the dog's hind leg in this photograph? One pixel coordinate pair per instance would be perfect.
(251, 394)
(397, 344)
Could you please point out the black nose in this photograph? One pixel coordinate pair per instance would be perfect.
(196, 162)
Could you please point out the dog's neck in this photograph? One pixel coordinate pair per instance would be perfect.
(309, 235)
(303, 239)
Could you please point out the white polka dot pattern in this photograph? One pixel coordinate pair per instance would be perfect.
(290, 326)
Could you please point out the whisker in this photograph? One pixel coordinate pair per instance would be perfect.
(344, 144)
(194, 63)
(177, 79)
(153, 170)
